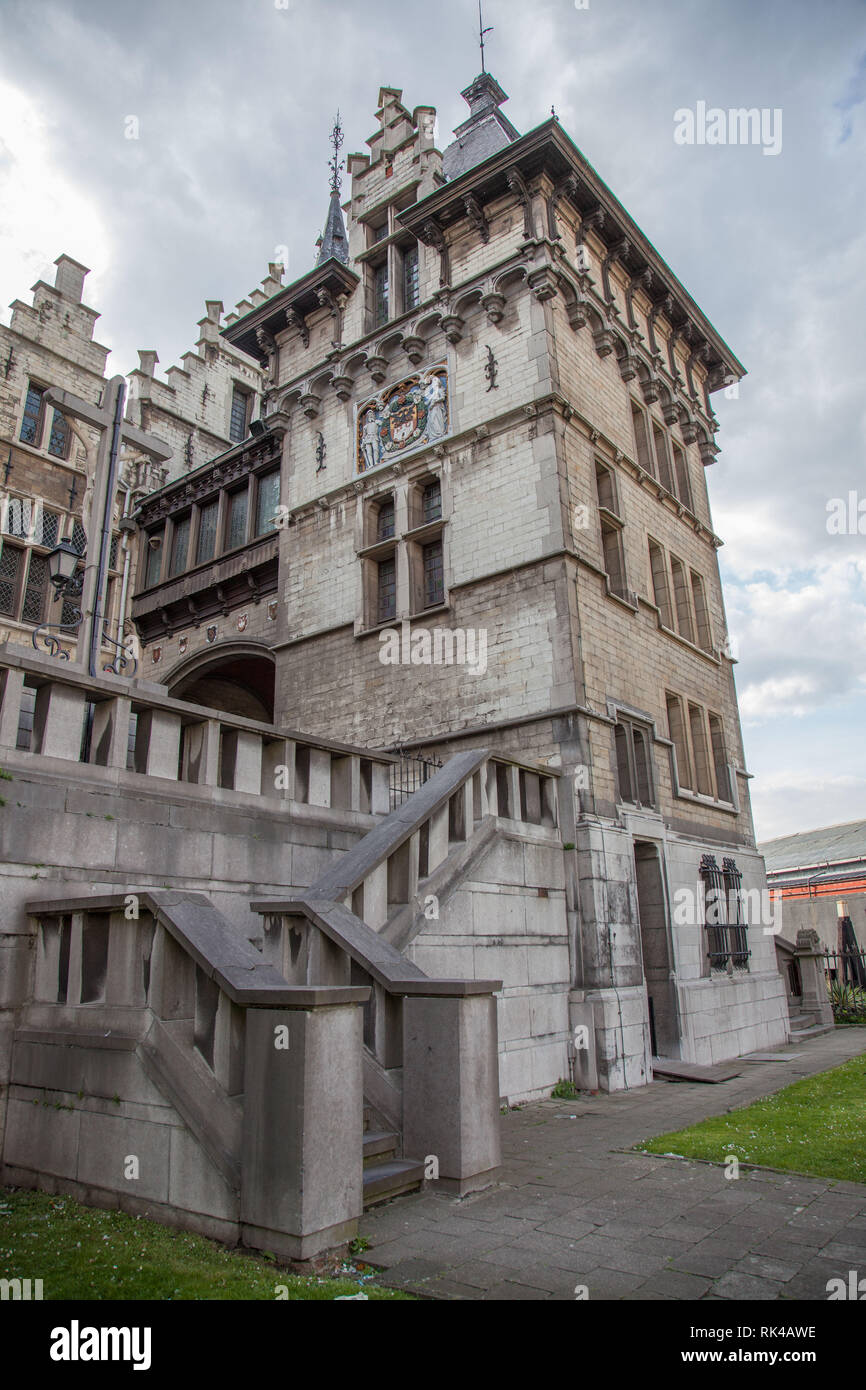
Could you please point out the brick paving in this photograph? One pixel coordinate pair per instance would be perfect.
(571, 1209)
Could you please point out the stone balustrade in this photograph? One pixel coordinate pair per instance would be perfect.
(159, 1061)
(135, 726)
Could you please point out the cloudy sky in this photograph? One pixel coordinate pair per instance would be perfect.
(233, 101)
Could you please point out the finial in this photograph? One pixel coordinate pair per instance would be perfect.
(335, 163)
(553, 113)
(481, 32)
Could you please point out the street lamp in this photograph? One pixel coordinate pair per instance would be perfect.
(62, 563)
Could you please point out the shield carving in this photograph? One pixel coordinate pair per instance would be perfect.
(242, 622)
(156, 653)
(181, 644)
(402, 423)
(211, 634)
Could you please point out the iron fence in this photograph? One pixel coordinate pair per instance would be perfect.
(410, 773)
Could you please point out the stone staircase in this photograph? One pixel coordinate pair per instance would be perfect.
(386, 1173)
(805, 1025)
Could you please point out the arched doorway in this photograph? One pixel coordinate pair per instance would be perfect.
(237, 679)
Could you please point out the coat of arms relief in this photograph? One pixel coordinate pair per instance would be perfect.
(403, 417)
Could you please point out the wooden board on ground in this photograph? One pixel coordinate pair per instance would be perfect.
(674, 1070)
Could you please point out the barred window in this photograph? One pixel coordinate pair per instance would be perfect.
(386, 590)
(207, 529)
(434, 577)
(727, 933)
(31, 425)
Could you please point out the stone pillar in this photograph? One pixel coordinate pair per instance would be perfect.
(301, 1185)
(109, 741)
(320, 777)
(451, 1085)
(810, 958)
(58, 722)
(157, 743)
(10, 706)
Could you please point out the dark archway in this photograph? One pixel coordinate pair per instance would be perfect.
(237, 679)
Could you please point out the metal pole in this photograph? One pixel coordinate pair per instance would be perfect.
(105, 536)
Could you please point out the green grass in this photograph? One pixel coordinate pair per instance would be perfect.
(816, 1126)
(83, 1253)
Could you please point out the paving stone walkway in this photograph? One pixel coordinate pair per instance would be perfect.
(571, 1209)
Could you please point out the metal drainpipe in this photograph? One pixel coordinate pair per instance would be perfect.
(124, 583)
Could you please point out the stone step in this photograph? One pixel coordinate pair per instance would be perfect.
(812, 1030)
(380, 1144)
(391, 1178)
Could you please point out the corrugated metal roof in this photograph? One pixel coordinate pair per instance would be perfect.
(814, 848)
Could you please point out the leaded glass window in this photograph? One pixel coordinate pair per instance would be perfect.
(79, 537)
(31, 425)
(431, 502)
(387, 590)
(179, 545)
(240, 409)
(10, 565)
(237, 523)
(33, 607)
(434, 580)
(48, 529)
(58, 440)
(153, 566)
(411, 289)
(380, 287)
(385, 520)
(17, 519)
(267, 501)
(207, 528)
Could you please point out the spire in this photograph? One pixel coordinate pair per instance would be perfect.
(334, 244)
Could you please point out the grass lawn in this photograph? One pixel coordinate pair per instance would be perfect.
(816, 1126)
(82, 1253)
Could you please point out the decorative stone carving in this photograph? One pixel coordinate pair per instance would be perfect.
(414, 347)
(377, 366)
(343, 386)
(543, 283)
(452, 326)
(297, 320)
(517, 185)
(310, 404)
(475, 213)
(406, 416)
(493, 305)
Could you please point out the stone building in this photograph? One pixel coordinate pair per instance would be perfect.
(474, 513)
(429, 789)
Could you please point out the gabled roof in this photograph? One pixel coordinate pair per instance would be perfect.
(813, 849)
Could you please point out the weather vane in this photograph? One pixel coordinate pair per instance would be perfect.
(481, 32)
(335, 163)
